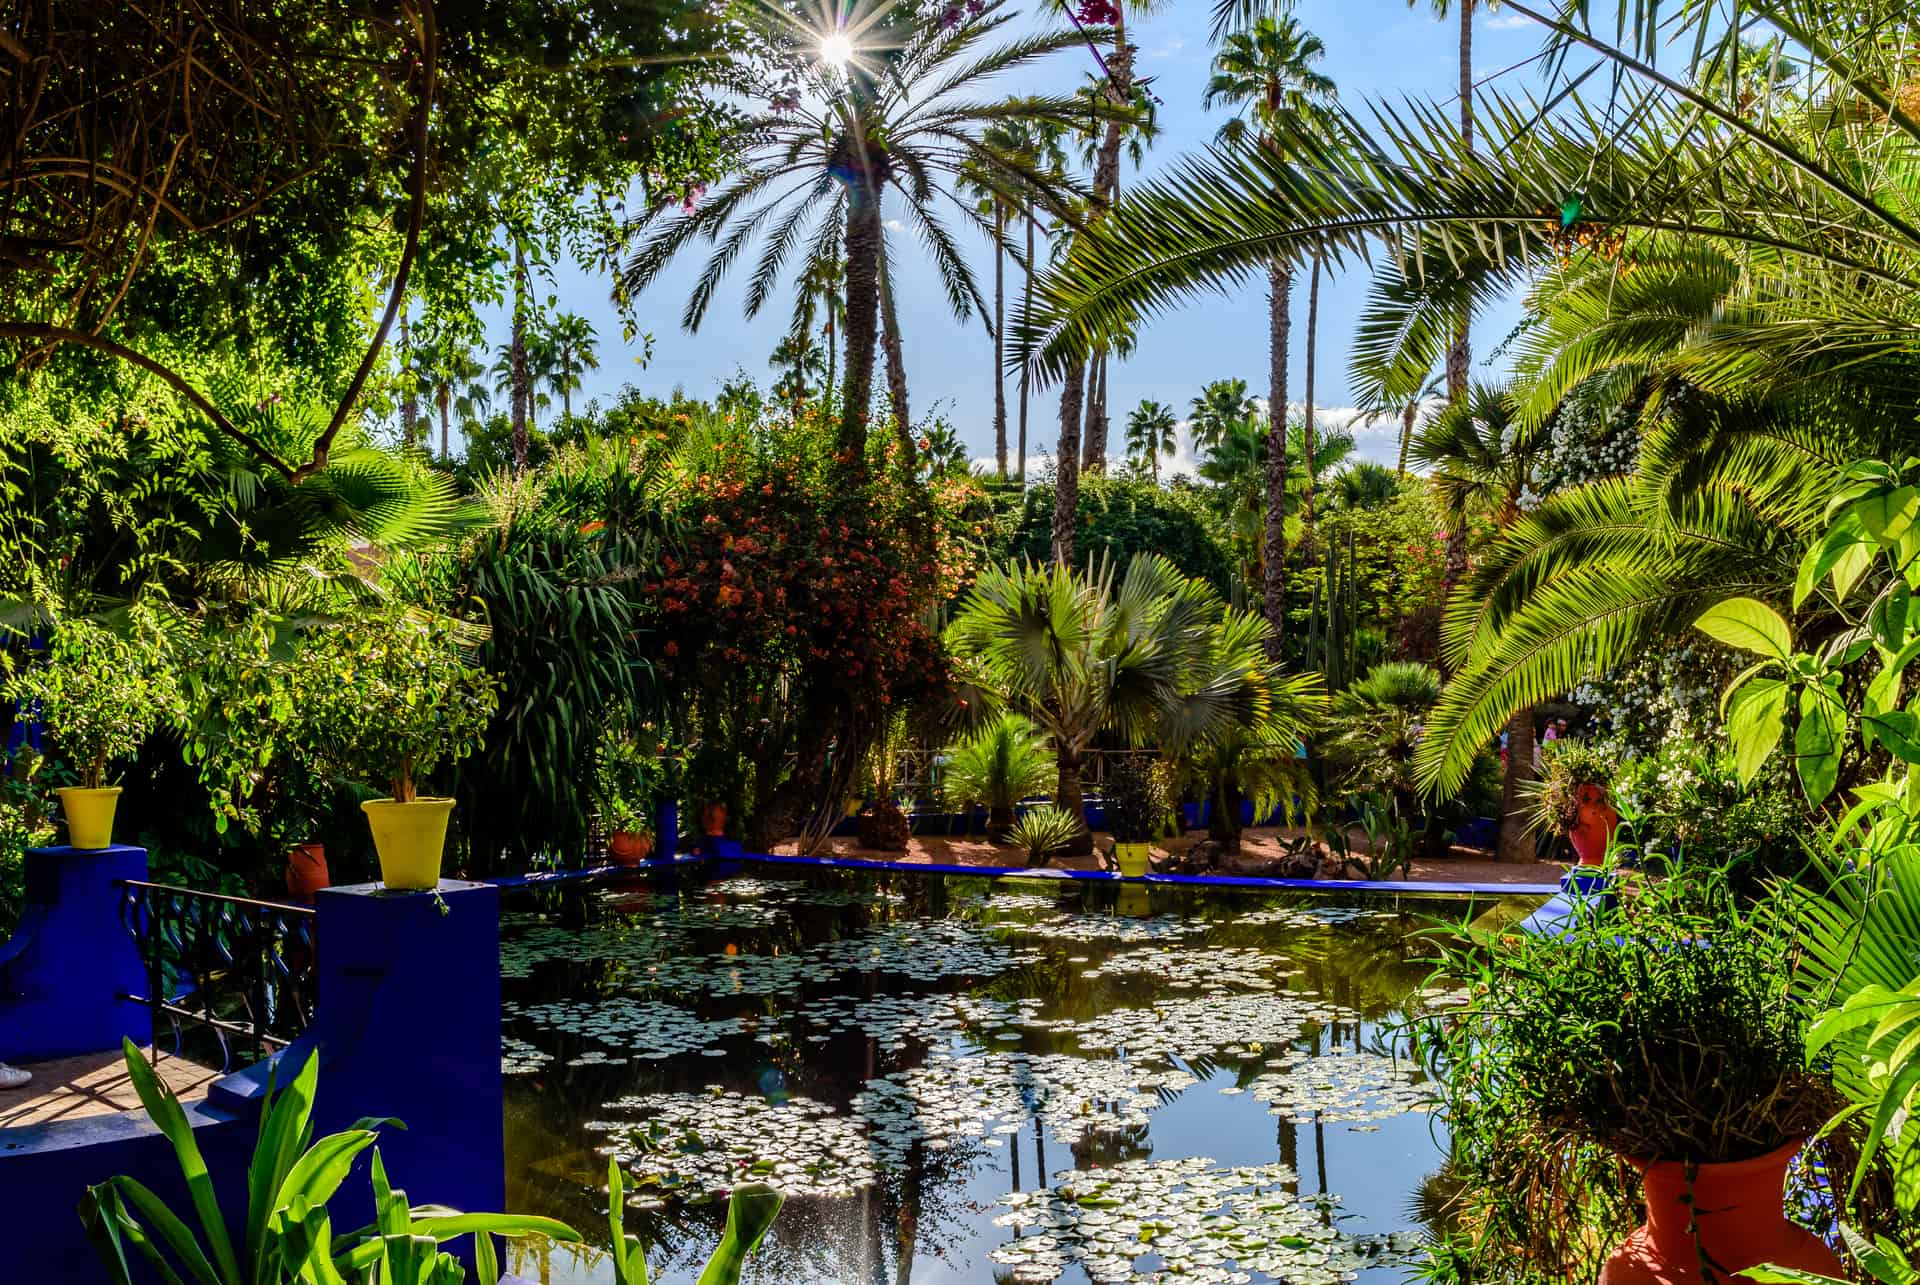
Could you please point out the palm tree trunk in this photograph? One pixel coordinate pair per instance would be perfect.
(1020, 465)
(999, 340)
(833, 352)
(1309, 443)
(520, 378)
(1066, 479)
(863, 322)
(410, 402)
(566, 385)
(1460, 351)
(1279, 327)
(1093, 440)
(1407, 417)
(1071, 799)
(444, 396)
(1515, 843)
(896, 370)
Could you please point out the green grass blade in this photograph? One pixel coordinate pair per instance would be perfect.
(168, 1116)
(749, 1215)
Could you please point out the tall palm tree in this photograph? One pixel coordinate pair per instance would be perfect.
(998, 207)
(1221, 407)
(1151, 434)
(571, 339)
(1042, 146)
(815, 167)
(1481, 461)
(1265, 72)
(458, 389)
(1460, 351)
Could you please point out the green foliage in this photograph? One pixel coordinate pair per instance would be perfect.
(998, 765)
(1044, 831)
(102, 692)
(1374, 728)
(1119, 519)
(291, 1181)
(751, 1210)
(1666, 1026)
(1567, 764)
(392, 698)
(1131, 800)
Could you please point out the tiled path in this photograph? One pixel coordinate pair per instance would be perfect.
(71, 1088)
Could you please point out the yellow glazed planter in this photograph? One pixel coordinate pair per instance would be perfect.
(1135, 859)
(89, 815)
(410, 838)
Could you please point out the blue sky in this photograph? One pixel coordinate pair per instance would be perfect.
(1375, 48)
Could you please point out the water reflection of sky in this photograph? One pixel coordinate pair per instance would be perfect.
(654, 1023)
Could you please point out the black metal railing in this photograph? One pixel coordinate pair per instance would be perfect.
(238, 968)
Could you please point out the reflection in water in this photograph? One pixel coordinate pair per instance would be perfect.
(882, 1047)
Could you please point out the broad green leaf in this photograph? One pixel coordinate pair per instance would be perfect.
(1844, 536)
(1756, 717)
(750, 1213)
(1849, 567)
(1889, 617)
(1888, 515)
(1896, 729)
(1749, 624)
(167, 1115)
(1816, 742)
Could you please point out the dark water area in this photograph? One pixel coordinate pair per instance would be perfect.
(969, 1080)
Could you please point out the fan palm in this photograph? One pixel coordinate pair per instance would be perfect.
(1080, 653)
(1376, 726)
(458, 389)
(999, 765)
(1151, 435)
(815, 167)
(1364, 485)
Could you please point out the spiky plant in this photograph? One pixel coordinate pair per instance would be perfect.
(1046, 832)
(999, 765)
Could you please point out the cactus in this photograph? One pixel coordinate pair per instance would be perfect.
(1333, 615)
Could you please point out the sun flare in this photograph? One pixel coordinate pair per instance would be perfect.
(836, 50)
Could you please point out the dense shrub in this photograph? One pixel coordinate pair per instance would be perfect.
(1120, 517)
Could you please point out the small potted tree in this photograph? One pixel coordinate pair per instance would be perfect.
(622, 783)
(393, 699)
(102, 694)
(1133, 813)
(1663, 1029)
(1571, 797)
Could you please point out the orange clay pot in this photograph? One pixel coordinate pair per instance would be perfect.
(713, 819)
(307, 871)
(1731, 1216)
(1593, 830)
(629, 848)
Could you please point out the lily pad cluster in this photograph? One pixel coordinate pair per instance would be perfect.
(1246, 1026)
(644, 1029)
(693, 1145)
(1341, 1086)
(1180, 968)
(1184, 1220)
(517, 1057)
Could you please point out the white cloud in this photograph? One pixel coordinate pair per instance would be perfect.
(894, 225)
(1172, 46)
(1508, 22)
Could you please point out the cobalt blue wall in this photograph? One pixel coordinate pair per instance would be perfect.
(69, 960)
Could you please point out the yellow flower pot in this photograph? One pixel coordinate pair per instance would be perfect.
(1134, 859)
(89, 815)
(410, 838)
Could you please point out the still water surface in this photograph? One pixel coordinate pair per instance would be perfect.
(967, 1080)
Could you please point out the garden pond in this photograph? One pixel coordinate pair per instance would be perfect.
(964, 1079)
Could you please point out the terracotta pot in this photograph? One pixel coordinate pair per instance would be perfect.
(713, 819)
(307, 871)
(629, 847)
(1732, 1216)
(1593, 829)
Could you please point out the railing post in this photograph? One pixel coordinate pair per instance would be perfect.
(71, 962)
(409, 1026)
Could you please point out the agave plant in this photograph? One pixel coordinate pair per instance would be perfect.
(1046, 831)
(999, 765)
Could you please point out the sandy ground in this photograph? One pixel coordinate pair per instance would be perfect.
(1260, 844)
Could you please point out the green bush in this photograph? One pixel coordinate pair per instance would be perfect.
(101, 693)
(1118, 518)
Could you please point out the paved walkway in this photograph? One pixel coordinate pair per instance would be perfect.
(72, 1088)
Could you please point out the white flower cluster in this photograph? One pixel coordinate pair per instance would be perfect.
(1657, 698)
(1587, 439)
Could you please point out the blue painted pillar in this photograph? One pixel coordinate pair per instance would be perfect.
(408, 1026)
(666, 831)
(63, 972)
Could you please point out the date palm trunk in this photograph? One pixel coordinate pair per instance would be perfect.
(896, 371)
(1515, 843)
(1071, 799)
(862, 320)
(1020, 465)
(999, 340)
(1460, 351)
(520, 378)
(1309, 439)
(1279, 326)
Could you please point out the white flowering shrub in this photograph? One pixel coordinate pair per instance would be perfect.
(1659, 697)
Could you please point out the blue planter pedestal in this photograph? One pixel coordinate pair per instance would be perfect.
(666, 832)
(71, 959)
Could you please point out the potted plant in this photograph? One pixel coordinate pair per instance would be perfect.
(1663, 1029)
(1570, 798)
(1133, 813)
(393, 699)
(102, 694)
(622, 782)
